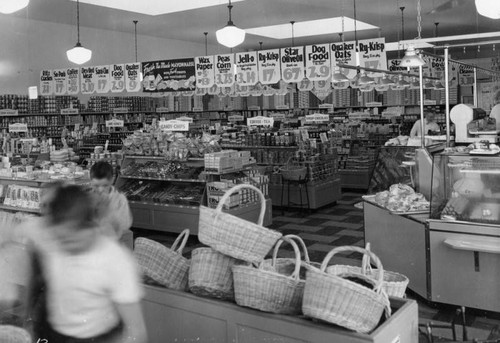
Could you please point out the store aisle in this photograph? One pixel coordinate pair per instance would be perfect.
(342, 224)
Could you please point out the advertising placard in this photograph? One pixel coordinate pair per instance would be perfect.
(170, 75)
(88, 80)
(372, 54)
(224, 70)
(246, 68)
(318, 66)
(46, 82)
(205, 71)
(60, 82)
(133, 77)
(103, 75)
(117, 78)
(260, 121)
(292, 64)
(114, 123)
(73, 79)
(343, 53)
(269, 66)
(173, 125)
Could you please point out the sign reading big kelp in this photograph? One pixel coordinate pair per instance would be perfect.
(169, 75)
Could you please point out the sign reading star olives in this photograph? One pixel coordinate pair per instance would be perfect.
(169, 75)
(46, 82)
(292, 64)
(224, 70)
(318, 62)
(117, 78)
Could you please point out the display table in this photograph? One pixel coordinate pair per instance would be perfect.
(173, 316)
(320, 193)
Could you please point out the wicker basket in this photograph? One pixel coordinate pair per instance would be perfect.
(234, 236)
(293, 171)
(14, 334)
(394, 283)
(165, 266)
(343, 302)
(267, 290)
(210, 274)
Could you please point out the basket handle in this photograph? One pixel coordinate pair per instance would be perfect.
(236, 188)
(298, 264)
(297, 239)
(365, 264)
(380, 278)
(184, 235)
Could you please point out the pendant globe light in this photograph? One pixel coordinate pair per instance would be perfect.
(78, 54)
(411, 57)
(488, 8)
(230, 35)
(11, 6)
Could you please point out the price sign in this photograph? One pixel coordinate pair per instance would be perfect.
(18, 127)
(46, 82)
(7, 112)
(224, 70)
(345, 53)
(278, 116)
(103, 79)
(186, 119)
(117, 78)
(269, 66)
(282, 107)
(214, 90)
(235, 118)
(260, 121)
(372, 54)
(317, 118)
(253, 108)
(132, 77)
(120, 110)
(162, 110)
(69, 111)
(60, 82)
(305, 85)
(246, 68)
(205, 71)
(77, 127)
(318, 66)
(241, 90)
(466, 75)
(88, 80)
(322, 94)
(114, 123)
(173, 125)
(198, 109)
(322, 85)
(323, 137)
(292, 64)
(73, 81)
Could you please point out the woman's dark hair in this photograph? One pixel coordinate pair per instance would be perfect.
(71, 202)
(101, 170)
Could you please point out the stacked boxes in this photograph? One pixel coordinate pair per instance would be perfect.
(227, 161)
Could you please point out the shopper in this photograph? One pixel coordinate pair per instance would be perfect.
(112, 209)
(93, 284)
(430, 125)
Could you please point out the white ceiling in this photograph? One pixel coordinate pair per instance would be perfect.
(189, 25)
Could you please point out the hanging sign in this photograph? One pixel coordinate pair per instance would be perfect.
(133, 77)
(235, 118)
(60, 82)
(103, 75)
(46, 82)
(114, 123)
(18, 127)
(69, 111)
(73, 81)
(323, 85)
(318, 66)
(372, 54)
(453, 75)
(256, 90)
(322, 94)
(246, 68)
(260, 121)
(343, 53)
(224, 70)
(117, 78)
(170, 75)
(205, 71)
(269, 66)
(88, 80)
(305, 85)
(186, 119)
(214, 90)
(465, 75)
(173, 125)
(395, 65)
(317, 118)
(292, 64)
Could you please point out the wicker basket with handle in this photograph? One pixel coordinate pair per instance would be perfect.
(165, 266)
(14, 334)
(234, 236)
(268, 290)
(344, 302)
(293, 171)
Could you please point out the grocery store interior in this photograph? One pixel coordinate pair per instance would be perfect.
(286, 170)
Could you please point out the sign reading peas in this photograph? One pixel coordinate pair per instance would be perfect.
(224, 70)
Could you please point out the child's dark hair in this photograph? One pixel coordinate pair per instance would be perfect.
(71, 202)
(101, 170)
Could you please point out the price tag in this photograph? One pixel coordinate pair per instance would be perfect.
(260, 121)
(304, 134)
(69, 111)
(18, 127)
(60, 81)
(292, 64)
(269, 66)
(224, 70)
(120, 110)
(198, 109)
(46, 82)
(318, 62)
(132, 77)
(278, 116)
(117, 78)
(162, 110)
(305, 85)
(7, 112)
(282, 107)
(246, 68)
(317, 118)
(114, 123)
(186, 119)
(73, 81)
(235, 118)
(173, 125)
(205, 71)
(88, 80)
(103, 79)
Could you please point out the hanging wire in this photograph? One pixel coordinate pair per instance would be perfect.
(135, 36)
(419, 20)
(206, 43)
(402, 8)
(78, 20)
(260, 45)
(293, 34)
(399, 38)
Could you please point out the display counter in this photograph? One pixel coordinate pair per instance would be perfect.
(174, 316)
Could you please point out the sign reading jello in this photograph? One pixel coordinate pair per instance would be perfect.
(343, 53)
(46, 82)
(173, 125)
(235, 118)
(224, 70)
(246, 68)
(292, 64)
(260, 121)
(317, 118)
(133, 77)
(372, 54)
(60, 82)
(114, 123)
(205, 71)
(18, 127)
(103, 76)
(88, 80)
(186, 119)
(318, 62)
(269, 66)
(117, 78)
(73, 81)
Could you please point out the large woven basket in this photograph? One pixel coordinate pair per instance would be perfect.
(293, 171)
(165, 266)
(14, 334)
(267, 290)
(394, 284)
(234, 236)
(210, 274)
(331, 298)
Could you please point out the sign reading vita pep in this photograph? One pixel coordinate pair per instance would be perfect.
(292, 64)
(269, 66)
(205, 71)
(318, 62)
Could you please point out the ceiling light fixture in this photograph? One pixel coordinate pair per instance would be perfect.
(412, 58)
(78, 54)
(11, 6)
(230, 35)
(488, 8)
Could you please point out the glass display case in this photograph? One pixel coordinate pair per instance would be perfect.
(466, 188)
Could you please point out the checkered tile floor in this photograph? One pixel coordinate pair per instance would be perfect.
(342, 224)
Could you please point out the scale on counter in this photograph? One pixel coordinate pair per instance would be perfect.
(473, 125)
